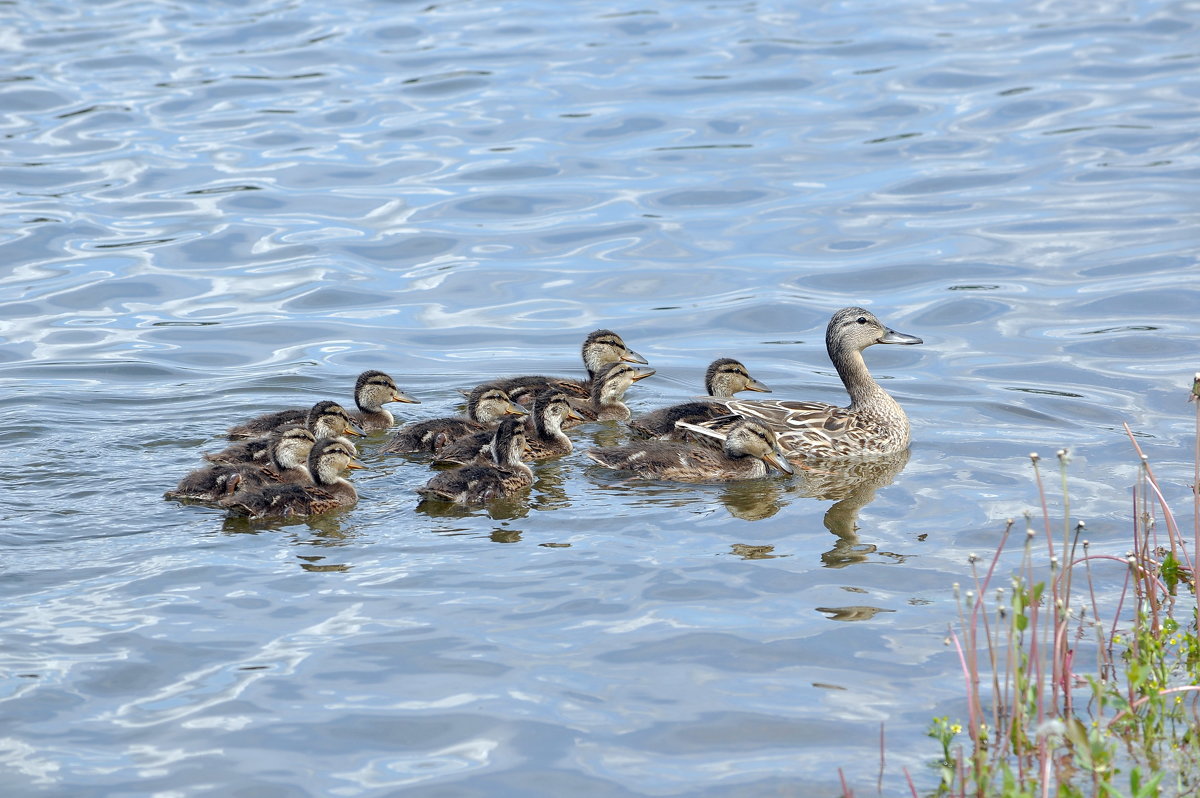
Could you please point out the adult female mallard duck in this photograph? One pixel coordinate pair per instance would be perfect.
(724, 378)
(747, 449)
(486, 406)
(326, 419)
(504, 474)
(284, 460)
(600, 348)
(873, 424)
(330, 490)
(544, 436)
(607, 400)
(371, 391)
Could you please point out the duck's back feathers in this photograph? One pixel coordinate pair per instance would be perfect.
(266, 423)
(661, 423)
(475, 484)
(431, 435)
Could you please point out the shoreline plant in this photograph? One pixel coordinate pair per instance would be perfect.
(1068, 694)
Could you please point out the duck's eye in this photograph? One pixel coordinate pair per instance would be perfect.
(861, 319)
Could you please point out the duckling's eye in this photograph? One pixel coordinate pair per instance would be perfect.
(861, 319)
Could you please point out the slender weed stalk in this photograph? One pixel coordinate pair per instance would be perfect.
(1060, 702)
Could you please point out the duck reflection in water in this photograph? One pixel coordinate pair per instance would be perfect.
(852, 486)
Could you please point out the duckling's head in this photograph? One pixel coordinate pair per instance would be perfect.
(329, 420)
(488, 404)
(726, 376)
(508, 443)
(291, 445)
(613, 381)
(749, 438)
(374, 388)
(329, 458)
(854, 329)
(550, 410)
(603, 347)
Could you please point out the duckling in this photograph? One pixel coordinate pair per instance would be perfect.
(326, 419)
(749, 447)
(285, 461)
(328, 458)
(873, 424)
(724, 378)
(486, 406)
(371, 391)
(543, 434)
(600, 348)
(606, 402)
(502, 476)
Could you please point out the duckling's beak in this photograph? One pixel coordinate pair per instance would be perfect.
(633, 357)
(352, 431)
(893, 337)
(572, 415)
(776, 459)
(401, 396)
(355, 464)
(515, 409)
(641, 375)
(755, 385)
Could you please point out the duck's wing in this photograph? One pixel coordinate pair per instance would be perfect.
(802, 428)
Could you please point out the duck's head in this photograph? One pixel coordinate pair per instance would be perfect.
(374, 388)
(550, 410)
(726, 376)
(602, 347)
(749, 438)
(508, 443)
(614, 380)
(854, 329)
(291, 445)
(328, 420)
(329, 458)
(487, 404)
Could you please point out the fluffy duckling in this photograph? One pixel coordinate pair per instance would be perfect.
(502, 476)
(371, 391)
(544, 435)
(600, 348)
(326, 419)
(486, 406)
(285, 460)
(606, 402)
(330, 490)
(749, 447)
(724, 378)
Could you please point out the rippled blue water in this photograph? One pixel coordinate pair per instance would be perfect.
(214, 209)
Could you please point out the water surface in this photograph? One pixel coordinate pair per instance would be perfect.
(212, 210)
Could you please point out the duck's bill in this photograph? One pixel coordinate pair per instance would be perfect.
(352, 431)
(574, 415)
(779, 461)
(755, 385)
(401, 396)
(355, 464)
(641, 375)
(515, 409)
(633, 357)
(893, 337)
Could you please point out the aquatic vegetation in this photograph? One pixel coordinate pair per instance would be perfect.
(1069, 696)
